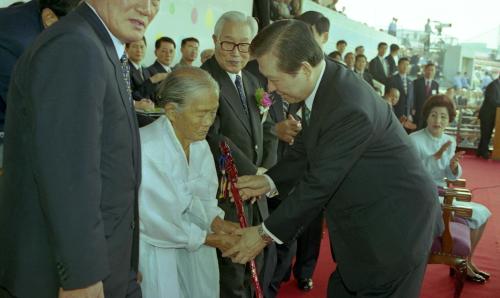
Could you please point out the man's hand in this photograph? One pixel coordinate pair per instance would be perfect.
(144, 104)
(441, 150)
(455, 161)
(252, 186)
(221, 226)
(288, 129)
(93, 291)
(158, 77)
(222, 241)
(249, 246)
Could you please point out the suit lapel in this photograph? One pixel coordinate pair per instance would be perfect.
(87, 13)
(253, 110)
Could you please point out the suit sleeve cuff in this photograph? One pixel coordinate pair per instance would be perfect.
(273, 192)
(275, 239)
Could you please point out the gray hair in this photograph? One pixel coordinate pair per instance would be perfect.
(236, 16)
(184, 82)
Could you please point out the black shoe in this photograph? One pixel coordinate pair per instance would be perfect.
(305, 284)
(483, 155)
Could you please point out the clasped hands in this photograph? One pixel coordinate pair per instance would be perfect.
(245, 243)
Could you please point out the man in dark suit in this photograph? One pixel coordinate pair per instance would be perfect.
(487, 115)
(142, 84)
(240, 123)
(392, 59)
(349, 163)
(68, 202)
(165, 55)
(20, 25)
(423, 88)
(378, 66)
(360, 68)
(401, 82)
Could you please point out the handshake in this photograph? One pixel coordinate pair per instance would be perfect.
(240, 244)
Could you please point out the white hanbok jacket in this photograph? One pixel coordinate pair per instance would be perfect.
(177, 204)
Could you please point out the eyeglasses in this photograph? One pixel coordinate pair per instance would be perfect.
(229, 46)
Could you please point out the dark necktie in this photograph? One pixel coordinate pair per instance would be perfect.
(126, 75)
(307, 114)
(427, 88)
(241, 92)
(141, 74)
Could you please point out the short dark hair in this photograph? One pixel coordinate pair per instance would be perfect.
(341, 41)
(403, 59)
(380, 44)
(291, 41)
(163, 39)
(315, 19)
(439, 100)
(189, 39)
(360, 56)
(429, 64)
(59, 7)
(335, 54)
(143, 39)
(358, 47)
(349, 54)
(394, 47)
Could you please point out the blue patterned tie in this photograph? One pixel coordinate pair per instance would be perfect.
(307, 113)
(126, 75)
(241, 92)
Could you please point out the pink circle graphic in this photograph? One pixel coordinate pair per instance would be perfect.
(194, 15)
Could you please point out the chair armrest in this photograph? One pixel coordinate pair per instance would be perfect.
(452, 193)
(457, 182)
(463, 212)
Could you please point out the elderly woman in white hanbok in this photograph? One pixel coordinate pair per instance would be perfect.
(437, 152)
(180, 223)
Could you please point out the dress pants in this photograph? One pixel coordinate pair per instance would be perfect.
(407, 286)
(308, 246)
(487, 124)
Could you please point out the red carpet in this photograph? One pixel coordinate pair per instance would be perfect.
(483, 178)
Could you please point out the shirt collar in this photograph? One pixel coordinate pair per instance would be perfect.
(137, 66)
(310, 99)
(232, 76)
(119, 46)
(166, 67)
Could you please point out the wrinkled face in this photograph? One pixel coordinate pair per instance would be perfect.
(382, 50)
(190, 51)
(394, 97)
(126, 19)
(360, 64)
(349, 60)
(192, 121)
(135, 51)
(293, 87)
(404, 67)
(233, 33)
(429, 72)
(437, 121)
(165, 54)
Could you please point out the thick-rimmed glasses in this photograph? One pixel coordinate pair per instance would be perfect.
(229, 46)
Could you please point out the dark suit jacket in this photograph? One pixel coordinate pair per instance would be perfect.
(491, 101)
(393, 65)
(376, 69)
(420, 96)
(350, 161)
(367, 77)
(141, 86)
(156, 68)
(71, 165)
(19, 25)
(251, 145)
(405, 103)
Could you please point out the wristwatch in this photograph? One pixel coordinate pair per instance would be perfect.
(263, 235)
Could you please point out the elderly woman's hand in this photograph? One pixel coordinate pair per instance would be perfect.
(441, 150)
(455, 161)
(220, 226)
(222, 241)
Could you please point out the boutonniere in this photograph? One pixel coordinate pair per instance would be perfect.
(264, 102)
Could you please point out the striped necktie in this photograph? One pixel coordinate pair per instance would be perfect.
(241, 92)
(126, 74)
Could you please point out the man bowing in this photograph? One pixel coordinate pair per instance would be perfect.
(349, 162)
